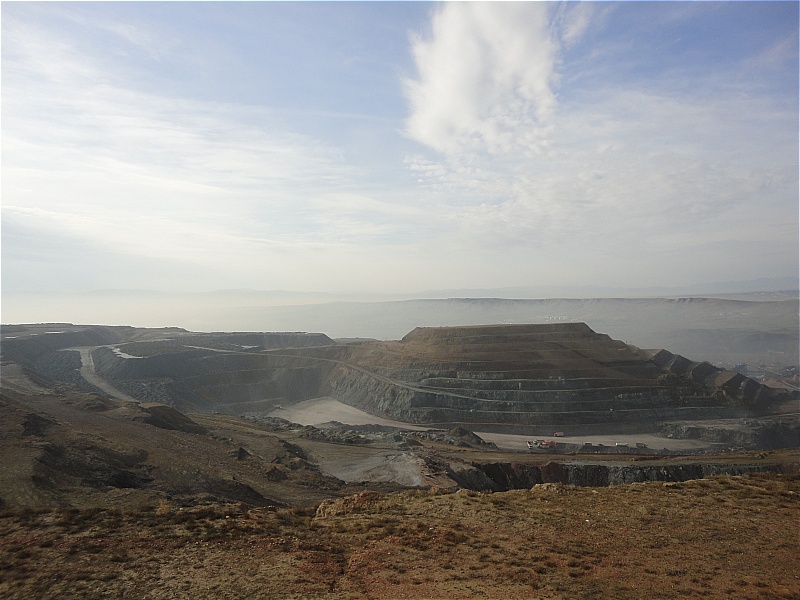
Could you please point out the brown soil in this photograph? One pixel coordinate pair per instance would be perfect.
(96, 502)
(727, 537)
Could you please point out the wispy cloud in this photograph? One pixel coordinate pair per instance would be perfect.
(573, 19)
(776, 57)
(536, 166)
(541, 142)
(146, 174)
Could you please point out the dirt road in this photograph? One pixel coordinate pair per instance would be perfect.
(323, 410)
(90, 375)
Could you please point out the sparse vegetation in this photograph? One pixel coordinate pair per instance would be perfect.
(423, 544)
(98, 501)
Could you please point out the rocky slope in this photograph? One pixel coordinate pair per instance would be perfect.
(530, 379)
(541, 377)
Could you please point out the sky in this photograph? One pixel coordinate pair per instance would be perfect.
(375, 147)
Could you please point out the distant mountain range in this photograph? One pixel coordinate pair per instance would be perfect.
(786, 285)
(754, 322)
(765, 288)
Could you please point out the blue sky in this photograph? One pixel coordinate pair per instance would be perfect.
(394, 147)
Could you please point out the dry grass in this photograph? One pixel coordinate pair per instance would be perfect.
(723, 537)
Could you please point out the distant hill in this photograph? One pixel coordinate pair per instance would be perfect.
(756, 328)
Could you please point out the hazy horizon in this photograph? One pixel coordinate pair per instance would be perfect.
(377, 149)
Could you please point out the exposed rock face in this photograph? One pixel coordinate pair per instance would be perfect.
(536, 379)
(543, 377)
(511, 476)
(365, 501)
(91, 464)
(761, 433)
(206, 380)
(165, 417)
(25, 350)
(734, 386)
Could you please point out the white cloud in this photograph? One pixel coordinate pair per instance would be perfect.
(631, 164)
(574, 20)
(779, 54)
(485, 79)
(526, 156)
(598, 171)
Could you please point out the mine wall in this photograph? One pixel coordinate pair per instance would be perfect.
(532, 407)
(584, 386)
(610, 421)
(540, 409)
(45, 360)
(25, 351)
(565, 401)
(379, 397)
(240, 383)
(686, 391)
(50, 369)
(480, 333)
(372, 394)
(500, 382)
(287, 384)
(237, 340)
(205, 380)
(501, 477)
(764, 434)
(178, 365)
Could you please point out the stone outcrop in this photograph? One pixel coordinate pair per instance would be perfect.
(501, 477)
(166, 417)
(734, 386)
(765, 434)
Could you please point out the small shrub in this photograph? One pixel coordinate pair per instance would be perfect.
(676, 572)
(576, 574)
(119, 556)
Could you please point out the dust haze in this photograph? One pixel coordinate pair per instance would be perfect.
(756, 328)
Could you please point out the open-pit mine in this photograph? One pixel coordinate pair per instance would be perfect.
(123, 445)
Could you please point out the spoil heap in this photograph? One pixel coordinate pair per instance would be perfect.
(546, 376)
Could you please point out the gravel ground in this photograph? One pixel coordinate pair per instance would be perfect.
(319, 411)
(324, 410)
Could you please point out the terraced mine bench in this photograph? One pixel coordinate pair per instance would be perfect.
(534, 379)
